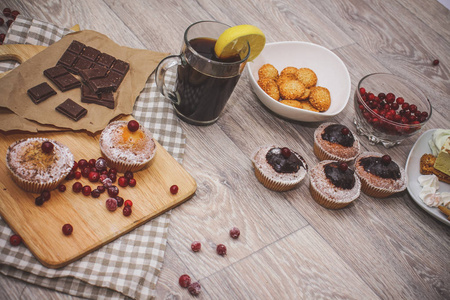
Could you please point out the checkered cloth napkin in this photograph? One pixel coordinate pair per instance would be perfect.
(129, 266)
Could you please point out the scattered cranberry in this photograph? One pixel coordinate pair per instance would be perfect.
(9, 22)
(15, 240)
(95, 193)
(47, 147)
(113, 177)
(86, 190)
(386, 160)
(362, 91)
(343, 166)
(75, 166)
(235, 232)
(67, 229)
(128, 203)
(85, 172)
(112, 171)
(91, 162)
(128, 175)
(132, 182)
(93, 176)
(39, 200)
(126, 211)
(196, 246)
(435, 62)
(119, 201)
(62, 188)
(345, 130)
(123, 182)
(7, 12)
(184, 281)
(133, 125)
(82, 163)
(195, 289)
(174, 189)
(101, 189)
(285, 152)
(111, 204)
(2, 35)
(77, 175)
(14, 14)
(101, 164)
(113, 191)
(107, 183)
(46, 195)
(221, 249)
(77, 187)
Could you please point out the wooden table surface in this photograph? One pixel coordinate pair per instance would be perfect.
(290, 247)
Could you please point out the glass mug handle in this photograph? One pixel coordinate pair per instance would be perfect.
(160, 76)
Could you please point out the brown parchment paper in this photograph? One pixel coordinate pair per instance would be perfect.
(14, 86)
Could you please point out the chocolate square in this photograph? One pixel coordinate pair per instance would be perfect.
(41, 92)
(76, 47)
(55, 72)
(121, 67)
(90, 53)
(62, 78)
(81, 64)
(67, 60)
(115, 78)
(105, 60)
(104, 99)
(97, 72)
(101, 85)
(71, 109)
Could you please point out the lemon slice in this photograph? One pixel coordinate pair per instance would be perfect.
(234, 39)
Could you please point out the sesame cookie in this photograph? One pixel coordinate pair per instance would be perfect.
(270, 87)
(292, 90)
(299, 104)
(320, 98)
(289, 70)
(307, 77)
(268, 71)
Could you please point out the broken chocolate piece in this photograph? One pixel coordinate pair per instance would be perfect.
(67, 60)
(121, 67)
(41, 92)
(62, 78)
(97, 72)
(71, 109)
(104, 99)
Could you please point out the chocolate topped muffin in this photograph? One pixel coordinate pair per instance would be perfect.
(278, 168)
(380, 176)
(335, 142)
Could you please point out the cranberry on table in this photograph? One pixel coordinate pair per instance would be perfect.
(196, 246)
(85, 172)
(15, 240)
(7, 12)
(119, 201)
(112, 171)
(75, 166)
(221, 249)
(14, 14)
(113, 177)
(67, 229)
(101, 189)
(128, 175)
(133, 125)
(47, 147)
(113, 191)
(77, 187)
(195, 288)
(174, 189)
(93, 176)
(123, 182)
(184, 280)
(435, 62)
(235, 232)
(77, 175)
(95, 193)
(128, 203)
(132, 182)
(82, 163)
(127, 211)
(111, 204)
(62, 188)
(39, 200)
(101, 164)
(86, 190)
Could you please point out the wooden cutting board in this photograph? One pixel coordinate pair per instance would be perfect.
(94, 226)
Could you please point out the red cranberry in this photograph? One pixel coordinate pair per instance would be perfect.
(235, 232)
(424, 114)
(400, 100)
(435, 62)
(195, 288)
(95, 193)
(67, 229)
(77, 187)
(39, 200)
(133, 125)
(15, 240)
(75, 166)
(85, 172)
(285, 152)
(111, 204)
(86, 190)
(128, 203)
(385, 160)
(132, 182)
(77, 175)
(128, 175)
(103, 177)
(113, 177)
(107, 182)
(362, 91)
(395, 106)
(71, 175)
(127, 211)
(405, 106)
(101, 164)
(7, 12)
(47, 147)
(14, 14)
(390, 97)
(345, 130)
(101, 189)
(2, 35)
(93, 176)
(113, 191)
(123, 182)
(91, 163)
(62, 188)
(343, 166)
(174, 189)
(46, 195)
(82, 163)
(184, 281)
(221, 249)
(9, 22)
(412, 108)
(196, 246)
(119, 201)
(381, 96)
(112, 171)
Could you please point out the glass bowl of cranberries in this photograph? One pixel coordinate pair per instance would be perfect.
(389, 109)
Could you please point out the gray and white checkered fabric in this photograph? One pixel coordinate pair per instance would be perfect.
(129, 266)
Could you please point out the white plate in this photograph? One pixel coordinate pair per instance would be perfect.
(412, 170)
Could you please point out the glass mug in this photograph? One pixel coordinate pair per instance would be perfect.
(204, 83)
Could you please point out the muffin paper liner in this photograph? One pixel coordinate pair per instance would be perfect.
(35, 187)
(273, 185)
(375, 192)
(122, 167)
(323, 155)
(319, 198)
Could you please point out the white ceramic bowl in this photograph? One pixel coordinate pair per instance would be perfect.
(330, 69)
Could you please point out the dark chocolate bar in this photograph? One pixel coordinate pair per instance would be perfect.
(105, 60)
(121, 67)
(97, 72)
(90, 53)
(76, 47)
(71, 109)
(62, 78)
(41, 92)
(104, 99)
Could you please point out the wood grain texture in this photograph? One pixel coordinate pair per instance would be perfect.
(290, 247)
